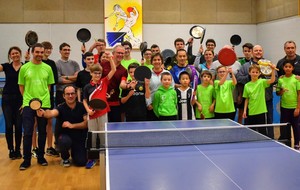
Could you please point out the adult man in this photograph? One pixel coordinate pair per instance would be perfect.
(113, 88)
(179, 45)
(67, 70)
(290, 51)
(34, 81)
(182, 65)
(72, 129)
(243, 77)
(99, 45)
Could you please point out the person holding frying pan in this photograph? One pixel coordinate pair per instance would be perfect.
(12, 102)
(243, 77)
(97, 89)
(35, 79)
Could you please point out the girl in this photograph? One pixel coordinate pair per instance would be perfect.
(289, 89)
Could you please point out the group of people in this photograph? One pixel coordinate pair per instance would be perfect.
(185, 87)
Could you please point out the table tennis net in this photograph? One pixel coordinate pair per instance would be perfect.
(175, 137)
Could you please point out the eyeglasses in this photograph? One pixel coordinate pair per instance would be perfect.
(70, 94)
(221, 71)
(97, 73)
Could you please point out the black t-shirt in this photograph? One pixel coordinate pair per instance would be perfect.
(83, 78)
(73, 116)
(136, 107)
(11, 86)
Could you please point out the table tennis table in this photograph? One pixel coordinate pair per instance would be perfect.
(262, 164)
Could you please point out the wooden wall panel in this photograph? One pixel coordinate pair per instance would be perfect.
(154, 11)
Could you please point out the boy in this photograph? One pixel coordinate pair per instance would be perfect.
(185, 98)
(205, 97)
(223, 90)
(254, 94)
(134, 96)
(97, 88)
(165, 99)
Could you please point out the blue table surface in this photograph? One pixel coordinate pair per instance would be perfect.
(248, 165)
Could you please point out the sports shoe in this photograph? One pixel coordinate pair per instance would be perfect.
(18, 154)
(24, 165)
(12, 154)
(34, 152)
(90, 164)
(52, 152)
(65, 163)
(42, 161)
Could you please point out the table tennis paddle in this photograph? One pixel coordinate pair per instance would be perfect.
(227, 57)
(97, 104)
(141, 73)
(35, 103)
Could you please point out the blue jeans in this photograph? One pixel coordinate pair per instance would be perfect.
(28, 116)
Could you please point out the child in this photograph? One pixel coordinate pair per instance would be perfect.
(165, 99)
(205, 97)
(254, 94)
(134, 96)
(223, 92)
(289, 89)
(185, 98)
(97, 88)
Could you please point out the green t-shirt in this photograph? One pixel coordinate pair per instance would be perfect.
(35, 78)
(224, 97)
(205, 96)
(289, 98)
(255, 92)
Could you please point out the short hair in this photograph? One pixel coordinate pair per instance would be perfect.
(63, 45)
(155, 55)
(96, 67)
(165, 74)
(206, 72)
(184, 73)
(127, 43)
(254, 66)
(210, 40)
(219, 67)
(67, 86)
(117, 46)
(47, 45)
(154, 46)
(102, 40)
(290, 41)
(181, 50)
(178, 40)
(36, 45)
(248, 45)
(133, 65)
(87, 54)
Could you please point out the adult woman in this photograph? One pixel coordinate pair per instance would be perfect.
(12, 102)
(157, 70)
(208, 56)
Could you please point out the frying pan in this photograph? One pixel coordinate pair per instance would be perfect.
(143, 47)
(31, 38)
(141, 73)
(83, 35)
(167, 55)
(35, 103)
(226, 56)
(235, 40)
(198, 32)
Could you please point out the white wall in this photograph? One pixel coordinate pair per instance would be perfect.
(270, 35)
